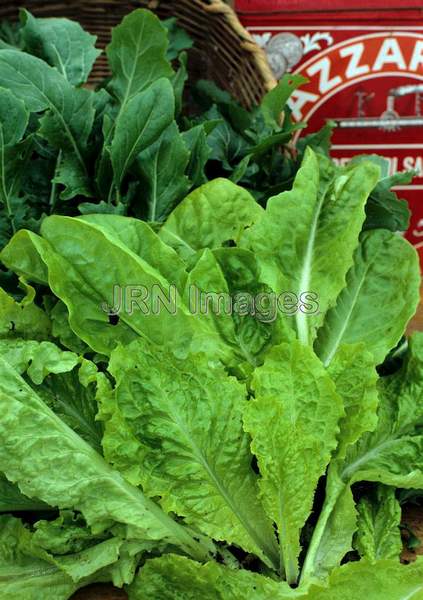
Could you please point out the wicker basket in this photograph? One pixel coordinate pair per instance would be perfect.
(223, 50)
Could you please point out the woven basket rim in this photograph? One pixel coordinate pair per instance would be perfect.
(247, 41)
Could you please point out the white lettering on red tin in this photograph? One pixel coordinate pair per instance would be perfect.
(414, 163)
(323, 66)
(389, 54)
(298, 100)
(417, 58)
(354, 69)
(365, 57)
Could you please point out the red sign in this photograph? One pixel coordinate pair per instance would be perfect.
(364, 64)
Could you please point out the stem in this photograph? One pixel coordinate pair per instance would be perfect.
(319, 530)
(53, 192)
(4, 192)
(288, 564)
(109, 198)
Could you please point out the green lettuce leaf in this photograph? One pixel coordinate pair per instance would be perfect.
(140, 238)
(211, 215)
(26, 576)
(294, 394)
(392, 453)
(354, 374)
(73, 399)
(369, 309)
(327, 219)
(206, 292)
(23, 319)
(69, 544)
(386, 579)
(379, 517)
(172, 577)
(38, 359)
(60, 329)
(256, 327)
(388, 452)
(353, 370)
(67, 534)
(333, 534)
(30, 572)
(68, 256)
(32, 437)
(187, 416)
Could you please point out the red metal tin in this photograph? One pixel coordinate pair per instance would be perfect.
(358, 58)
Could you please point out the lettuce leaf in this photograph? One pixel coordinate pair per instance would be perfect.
(172, 577)
(327, 219)
(387, 452)
(215, 213)
(79, 477)
(368, 308)
(29, 571)
(386, 579)
(378, 527)
(23, 319)
(61, 257)
(187, 417)
(391, 454)
(293, 392)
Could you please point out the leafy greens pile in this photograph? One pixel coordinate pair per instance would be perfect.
(195, 454)
(129, 147)
(192, 445)
(69, 150)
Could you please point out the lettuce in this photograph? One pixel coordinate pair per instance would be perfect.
(173, 577)
(31, 568)
(186, 454)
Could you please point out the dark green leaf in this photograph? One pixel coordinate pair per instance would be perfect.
(178, 38)
(62, 44)
(140, 124)
(162, 167)
(69, 117)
